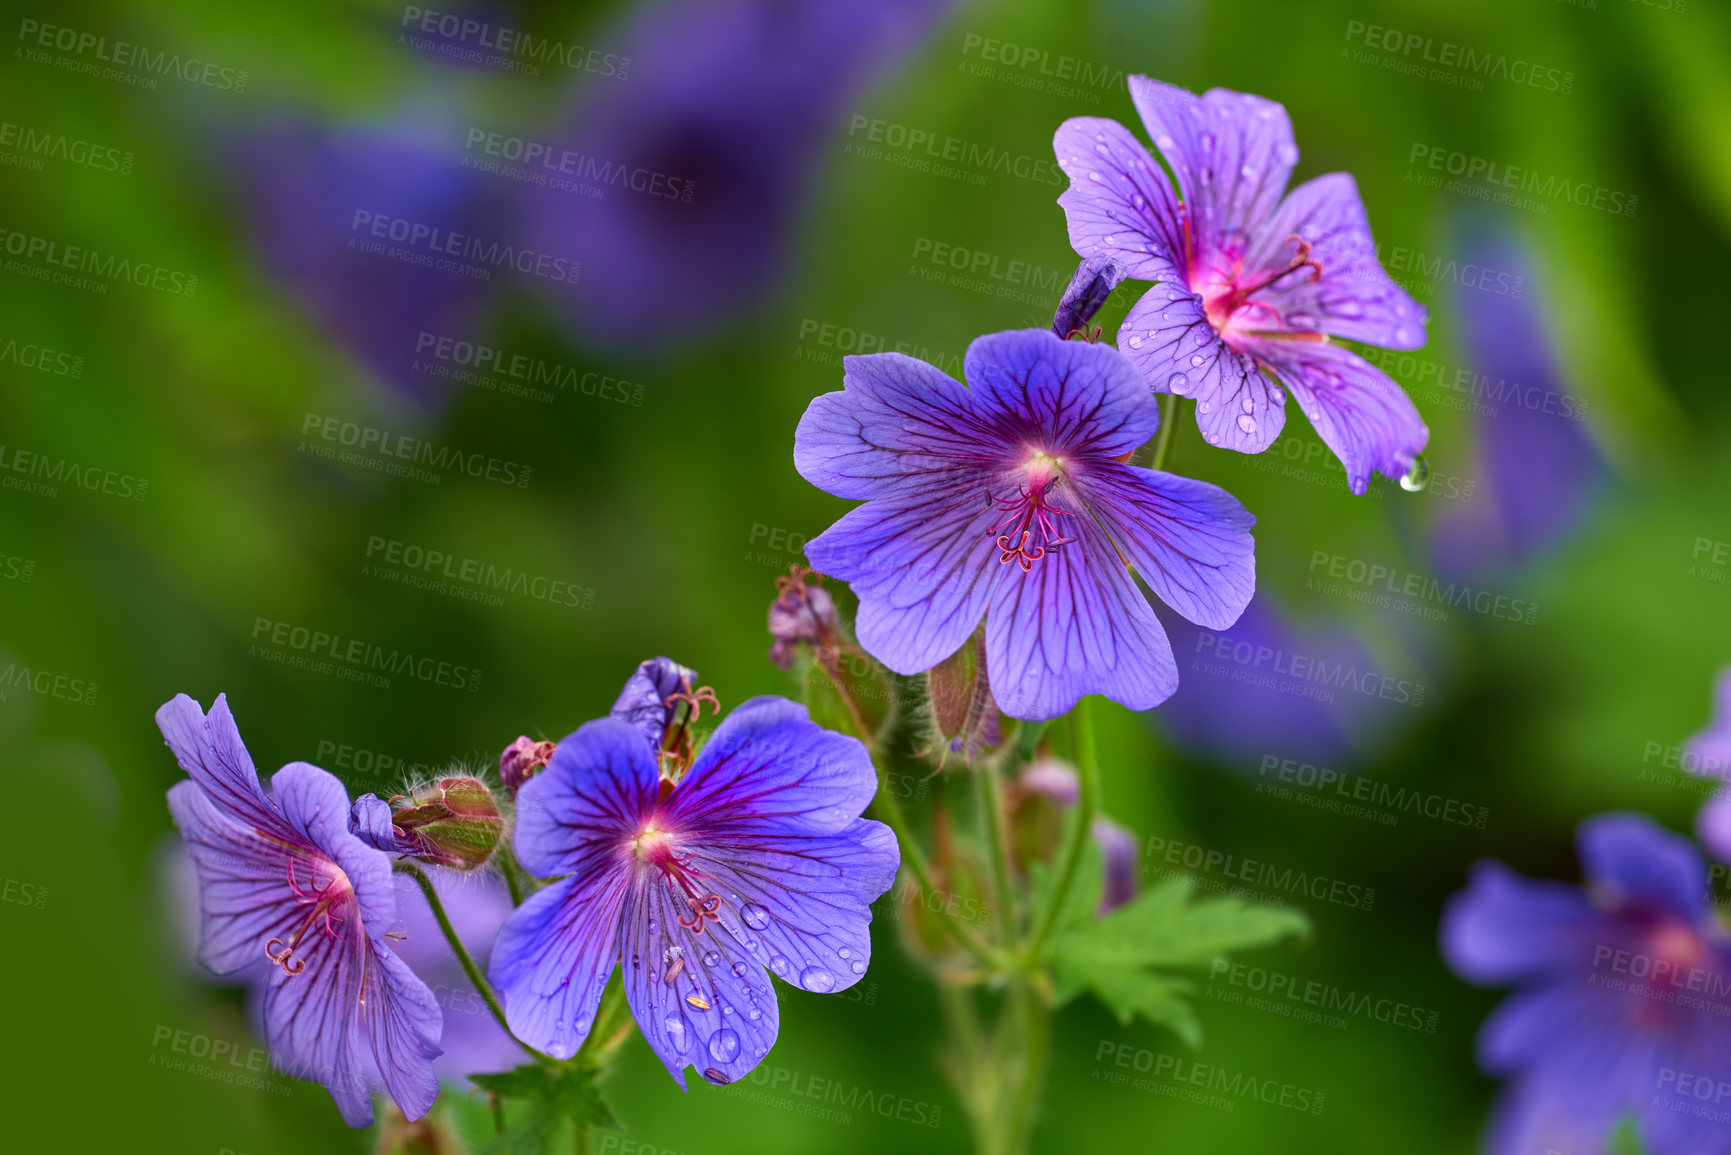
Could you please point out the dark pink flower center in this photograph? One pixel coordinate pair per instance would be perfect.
(328, 891)
(1229, 295)
(1030, 525)
(654, 846)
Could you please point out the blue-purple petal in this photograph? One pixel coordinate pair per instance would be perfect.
(1068, 397)
(599, 787)
(211, 752)
(553, 956)
(1632, 858)
(643, 702)
(1504, 928)
(1119, 203)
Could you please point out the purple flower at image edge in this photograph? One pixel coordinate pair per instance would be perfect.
(282, 878)
(1010, 500)
(757, 859)
(1622, 993)
(1252, 284)
(1709, 754)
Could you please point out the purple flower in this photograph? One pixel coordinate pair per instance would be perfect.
(1622, 990)
(644, 702)
(1093, 282)
(757, 858)
(281, 878)
(1011, 500)
(704, 158)
(1252, 284)
(1709, 754)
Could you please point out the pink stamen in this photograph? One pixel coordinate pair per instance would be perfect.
(1029, 518)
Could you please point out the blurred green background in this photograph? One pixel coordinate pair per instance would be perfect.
(677, 514)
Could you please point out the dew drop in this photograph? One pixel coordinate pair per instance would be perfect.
(1418, 476)
(581, 1026)
(1096, 177)
(1139, 201)
(1196, 360)
(858, 967)
(676, 1033)
(1275, 395)
(755, 916)
(1204, 406)
(754, 1014)
(1163, 141)
(724, 1044)
(739, 969)
(1246, 404)
(1247, 172)
(1247, 423)
(559, 1051)
(1214, 439)
(778, 964)
(1288, 153)
(817, 979)
(710, 958)
(1402, 334)
(1178, 383)
(1135, 342)
(844, 953)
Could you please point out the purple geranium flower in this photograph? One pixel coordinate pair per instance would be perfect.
(1252, 286)
(281, 878)
(756, 858)
(1624, 991)
(1027, 465)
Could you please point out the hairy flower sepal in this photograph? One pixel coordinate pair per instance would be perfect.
(964, 717)
(454, 822)
(757, 859)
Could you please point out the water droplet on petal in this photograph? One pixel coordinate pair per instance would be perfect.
(1196, 360)
(710, 958)
(581, 1026)
(1214, 439)
(724, 1044)
(1403, 334)
(858, 967)
(844, 953)
(1094, 176)
(1135, 342)
(1275, 396)
(817, 979)
(559, 1051)
(754, 1014)
(1288, 153)
(1204, 406)
(739, 969)
(1247, 172)
(1246, 423)
(1163, 141)
(1139, 201)
(778, 964)
(755, 916)
(1418, 476)
(1246, 404)
(676, 1033)
(1177, 383)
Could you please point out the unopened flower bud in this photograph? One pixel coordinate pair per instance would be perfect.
(521, 760)
(1037, 801)
(1118, 848)
(963, 713)
(1094, 281)
(802, 613)
(455, 822)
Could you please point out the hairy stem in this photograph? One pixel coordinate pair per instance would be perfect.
(992, 805)
(469, 968)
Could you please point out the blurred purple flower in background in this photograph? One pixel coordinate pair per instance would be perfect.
(691, 175)
(1024, 465)
(1541, 471)
(1623, 993)
(318, 197)
(1709, 754)
(1251, 281)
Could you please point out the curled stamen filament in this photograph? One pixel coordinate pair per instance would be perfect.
(282, 954)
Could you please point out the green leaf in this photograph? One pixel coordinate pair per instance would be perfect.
(1116, 957)
(1084, 896)
(547, 1096)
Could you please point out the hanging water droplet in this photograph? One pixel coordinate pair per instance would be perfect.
(755, 916)
(778, 964)
(710, 958)
(581, 1026)
(676, 1033)
(724, 1044)
(1248, 424)
(559, 1051)
(1214, 439)
(817, 979)
(858, 967)
(1275, 395)
(1418, 476)
(1177, 383)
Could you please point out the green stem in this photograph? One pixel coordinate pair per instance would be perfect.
(1168, 422)
(992, 803)
(508, 867)
(1087, 802)
(890, 811)
(457, 948)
